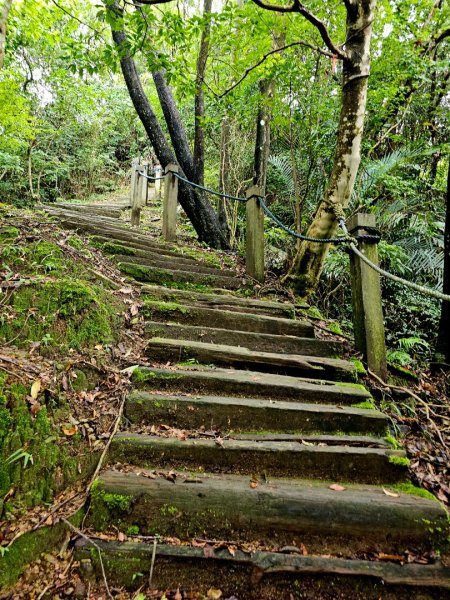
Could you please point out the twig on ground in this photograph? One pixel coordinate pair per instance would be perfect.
(96, 546)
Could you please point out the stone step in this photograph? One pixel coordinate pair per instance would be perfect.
(249, 384)
(335, 369)
(149, 249)
(260, 458)
(281, 512)
(162, 276)
(226, 301)
(175, 263)
(257, 575)
(225, 319)
(230, 415)
(354, 441)
(258, 342)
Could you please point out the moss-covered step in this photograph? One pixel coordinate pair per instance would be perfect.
(249, 384)
(264, 458)
(259, 342)
(278, 575)
(335, 369)
(145, 246)
(282, 512)
(225, 319)
(176, 263)
(229, 414)
(162, 276)
(340, 439)
(92, 209)
(224, 300)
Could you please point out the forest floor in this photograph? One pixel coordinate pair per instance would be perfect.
(420, 410)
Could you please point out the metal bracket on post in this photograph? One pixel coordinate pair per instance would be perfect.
(368, 319)
(169, 225)
(254, 246)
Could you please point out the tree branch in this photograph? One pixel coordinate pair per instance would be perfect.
(309, 16)
(256, 65)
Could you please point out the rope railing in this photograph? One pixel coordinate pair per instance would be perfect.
(414, 286)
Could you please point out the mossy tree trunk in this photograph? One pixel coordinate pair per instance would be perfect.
(309, 260)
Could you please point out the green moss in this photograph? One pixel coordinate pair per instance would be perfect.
(8, 233)
(146, 375)
(29, 547)
(367, 405)
(314, 313)
(151, 306)
(393, 442)
(409, 488)
(117, 501)
(107, 507)
(401, 461)
(133, 530)
(75, 242)
(64, 313)
(114, 248)
(360, 369)
(335, 328)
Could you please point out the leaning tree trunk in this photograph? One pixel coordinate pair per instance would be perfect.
(442, 352)
(308, 263)
(5, 7)
(199, 138)
(198, 210)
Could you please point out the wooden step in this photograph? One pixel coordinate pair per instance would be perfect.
(161, 276)
(175, 263)
(225, 319)
(256, 575)
(145, 244)
(92, 209)
(294, 512)
(259, 342)
(228, 414)
(354, 441)
(250, 384)
(226, 301)
(335, 369)
(263, 458)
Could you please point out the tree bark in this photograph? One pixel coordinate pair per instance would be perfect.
(199, 139)
(308, 263)
(224, 174)
(198, 210)
(442, 352)
(5, 7)
(262, 142)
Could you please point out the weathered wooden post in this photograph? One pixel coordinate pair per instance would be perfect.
(134, 178)
(169, 224)
(136, 199)
(158, 172)
(368, 319)
(144, 183)
(254, 245)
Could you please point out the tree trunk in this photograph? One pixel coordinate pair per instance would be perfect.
(308, 263)
(442, 352)
(5, 7)
(199, 140)
(262, 142)
(197, 208)
(224, 174)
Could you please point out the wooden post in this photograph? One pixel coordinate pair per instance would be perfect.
(158, 172)
(169, 224)
(254, 246)
(144, 184)
(368, 319)
(136, 197)
(134, 177)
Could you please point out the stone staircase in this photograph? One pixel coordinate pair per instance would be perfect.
(248, 457)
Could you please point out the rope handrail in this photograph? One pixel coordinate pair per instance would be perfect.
(209, 190)
(415, 286)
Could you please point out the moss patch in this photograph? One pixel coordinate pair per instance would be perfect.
(367, 405)
(409, 488)
(401, 461)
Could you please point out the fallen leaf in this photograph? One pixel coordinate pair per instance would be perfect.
(336, 487)
(121, 536)
(35, 389)
(69, 430)
(396, 557)
(214, 594)
(253, 484)
(208, 552)
(178, 595)
(392, 494)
